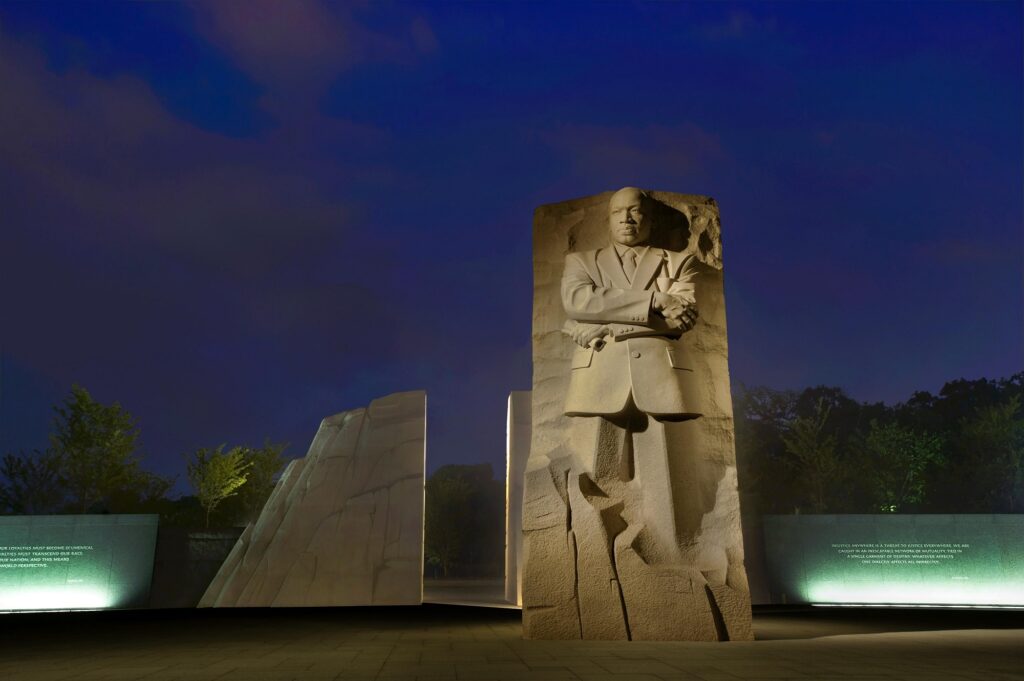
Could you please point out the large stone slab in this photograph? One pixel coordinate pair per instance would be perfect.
(517, 455)
(344, 525)
(631, 513)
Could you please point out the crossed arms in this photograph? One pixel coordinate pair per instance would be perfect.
(596, 311)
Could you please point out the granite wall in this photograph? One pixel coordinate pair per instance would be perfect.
(517, 454)
(344, 526)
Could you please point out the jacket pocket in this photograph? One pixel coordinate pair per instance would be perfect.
(675, 358)
(581, 358)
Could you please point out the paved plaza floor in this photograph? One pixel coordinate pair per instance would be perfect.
(449, 643)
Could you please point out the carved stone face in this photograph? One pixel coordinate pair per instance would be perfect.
(626, 221)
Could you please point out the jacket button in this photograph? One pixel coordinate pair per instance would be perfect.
(635, 354)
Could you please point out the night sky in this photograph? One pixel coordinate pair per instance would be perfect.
(238, 218)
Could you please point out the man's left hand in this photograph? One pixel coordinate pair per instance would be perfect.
(681, 315)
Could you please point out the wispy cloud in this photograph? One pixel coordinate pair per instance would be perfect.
(119, 215)
(737, 25)
(641, 154)
(296, 49)
(964, 251)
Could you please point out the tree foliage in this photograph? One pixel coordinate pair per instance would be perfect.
(216, 475)
(265, 463)
(94, 446)
(92, 465)
(992, 455)
(465, 521)
(447, 538)
(30, 484)
(814, 453)
(958, 451)
(898, 460)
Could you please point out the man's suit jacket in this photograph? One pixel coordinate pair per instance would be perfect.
(641, 358)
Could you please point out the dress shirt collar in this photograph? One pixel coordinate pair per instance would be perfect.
(621, 249)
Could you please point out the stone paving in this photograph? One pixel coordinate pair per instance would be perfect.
(446, 643)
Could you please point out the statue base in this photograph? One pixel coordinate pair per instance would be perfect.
(602, 556)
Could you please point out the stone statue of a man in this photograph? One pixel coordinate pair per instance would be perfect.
(630, 511)
(627, 304)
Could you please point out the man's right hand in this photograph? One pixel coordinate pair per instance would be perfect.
(585, 334)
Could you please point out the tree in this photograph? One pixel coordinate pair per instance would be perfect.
(31, 484)
(445, 532)
(264, 465)
(147, 494)
(898, 459)
(992, 462)
(465, 520)
(94, 445)
(216, 475)
(814, 452)
(959, 451)
(761, 416)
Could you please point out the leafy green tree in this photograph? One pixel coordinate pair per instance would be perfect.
(762, 415)
(790, 458)
(216, 475)
(265, 463)
(147, 494)
(992, 460)
(31, 484)
(897, 461)
(814, 454)
(976, 419)
(446, 534)
(465, 521)
(95, 445)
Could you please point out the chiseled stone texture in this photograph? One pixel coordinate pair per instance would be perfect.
(653, 553)
(344, 525)
(517, 454)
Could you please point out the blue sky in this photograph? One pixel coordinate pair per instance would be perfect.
(237, 218)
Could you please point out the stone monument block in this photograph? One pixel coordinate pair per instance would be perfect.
(517, 454)
(344, 525)
(631, 515)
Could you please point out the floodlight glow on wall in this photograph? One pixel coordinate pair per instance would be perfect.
(56, 598)
(84, 562)
(920, 593)
(897, 560)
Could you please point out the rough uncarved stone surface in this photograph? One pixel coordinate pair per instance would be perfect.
(517, 454)
(632, 530)
(344, 525)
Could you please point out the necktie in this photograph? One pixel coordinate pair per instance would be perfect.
(629, 263)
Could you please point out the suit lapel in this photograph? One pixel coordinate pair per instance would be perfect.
(611, 268)
(647, 268)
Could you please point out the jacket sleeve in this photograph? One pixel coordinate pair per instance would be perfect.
(585, 301)
(685, 276)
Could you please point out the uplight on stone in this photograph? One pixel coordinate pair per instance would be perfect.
(631, 512)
